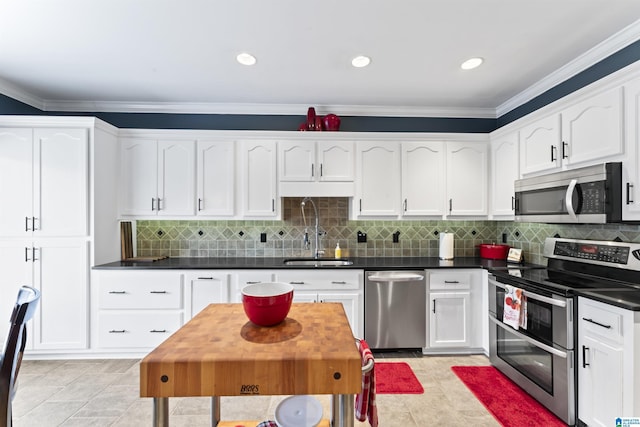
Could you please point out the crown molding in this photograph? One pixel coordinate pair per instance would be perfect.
(264, 109)
(13, 91)
(594, 55)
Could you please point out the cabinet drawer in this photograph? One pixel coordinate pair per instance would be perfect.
(600, 319)
(449, 281)
(321, 280)
(142, 292)
(135, 329)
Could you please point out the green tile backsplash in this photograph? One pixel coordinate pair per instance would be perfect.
(199, 238)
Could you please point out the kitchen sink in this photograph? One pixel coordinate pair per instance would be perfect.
(318, 262)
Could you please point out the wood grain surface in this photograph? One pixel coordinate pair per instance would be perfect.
(220, 353)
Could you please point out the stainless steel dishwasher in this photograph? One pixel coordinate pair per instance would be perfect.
(395, 309)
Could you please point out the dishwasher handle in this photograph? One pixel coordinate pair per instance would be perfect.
(395, 277)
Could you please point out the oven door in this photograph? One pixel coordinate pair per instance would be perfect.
(545, 372)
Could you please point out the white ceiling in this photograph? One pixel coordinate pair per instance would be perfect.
(179, 55)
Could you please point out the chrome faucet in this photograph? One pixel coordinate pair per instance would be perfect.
(318, 232)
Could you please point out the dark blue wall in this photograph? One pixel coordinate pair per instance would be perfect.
(616, 61)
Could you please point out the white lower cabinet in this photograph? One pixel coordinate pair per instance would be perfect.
(343, 286)
(205, 287)
(608, 369)
(137, 310)
(58, 268)
(455, 301)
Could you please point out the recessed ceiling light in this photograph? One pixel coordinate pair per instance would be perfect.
(246, 58)
(360, 61)
(471, 63)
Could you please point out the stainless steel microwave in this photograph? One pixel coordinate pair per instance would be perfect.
(589, 195)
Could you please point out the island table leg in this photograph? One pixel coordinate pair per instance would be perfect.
(342, 410)
(161, 412)
(215, 410)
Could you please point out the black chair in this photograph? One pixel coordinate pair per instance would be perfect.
(11, 357)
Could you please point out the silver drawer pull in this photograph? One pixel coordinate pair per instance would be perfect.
(451, 281)
(117, 331)
(338, 282)
(158, 331)
(296, 283)
(205, 278)
(253, 282)
(117, 292)
(596, 323)
(157, 292)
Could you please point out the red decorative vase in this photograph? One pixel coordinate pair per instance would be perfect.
(331, 122)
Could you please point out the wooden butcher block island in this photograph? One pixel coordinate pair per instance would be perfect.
(220, 353)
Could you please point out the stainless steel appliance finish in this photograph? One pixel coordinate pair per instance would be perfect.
(543, 359)
(586, 195)
(395, 310)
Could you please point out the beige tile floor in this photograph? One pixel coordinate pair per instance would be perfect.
(105, 393)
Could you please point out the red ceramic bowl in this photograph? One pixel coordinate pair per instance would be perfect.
(267, 304)
(493, 251)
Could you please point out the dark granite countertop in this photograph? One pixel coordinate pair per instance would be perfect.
(366, 263)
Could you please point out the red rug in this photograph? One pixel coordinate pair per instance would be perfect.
(396, 378)
(507, 402)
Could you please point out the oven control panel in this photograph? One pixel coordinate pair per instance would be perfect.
(608, 253)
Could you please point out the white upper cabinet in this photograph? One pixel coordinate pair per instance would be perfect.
(592, 129)
(216, 178)
(321, 168)
(158, 177)
(44, 182)
(423, 166)
(467, 172)
(504, 171)
(539, 145)
(378, 179)
(631, 168)
(259, 179)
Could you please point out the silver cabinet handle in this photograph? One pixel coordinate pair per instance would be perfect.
(199, 204)
(451, 281)
(584, 356)
(434, 306)
(157, 292)
(33, 223)
(26, 255)
(564, 152)
(153, 203)
(553, 149)
(117, 331)
(405, 205)
(629, 187)
(118, 292)
(320, 169)
(312, 171)
(26, 218)
(252, 282)
(159, 200)
(273, 205)
(158, 331)
(205, 278)
(296, 283)
(450, 205)
(33, 254)
(338, 282)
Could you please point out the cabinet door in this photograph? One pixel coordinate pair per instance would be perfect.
(16, 271)
(378, 186)
(351, 301)
(336, 162)
(539, 145)
(630, 168)
(176, 178)
(208, 288)
(297, 161)
(259, 174)
(423, 178)
(592, 129)
(61, 274)
(60, 206)
(449, 319)
(16, 182)
(600, 385)
(504, 171)
(216, 178)
(467, 178)
(139, 174)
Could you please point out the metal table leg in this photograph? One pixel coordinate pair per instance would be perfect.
(161, 412)
(342, 410)
(215, 410)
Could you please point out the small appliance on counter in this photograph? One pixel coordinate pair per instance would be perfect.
(446, 246)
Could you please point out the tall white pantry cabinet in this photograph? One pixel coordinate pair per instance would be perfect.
(58, 199)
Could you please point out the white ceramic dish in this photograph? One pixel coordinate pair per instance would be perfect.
(299, 411)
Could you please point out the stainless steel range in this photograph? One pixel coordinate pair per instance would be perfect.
(541, 357)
